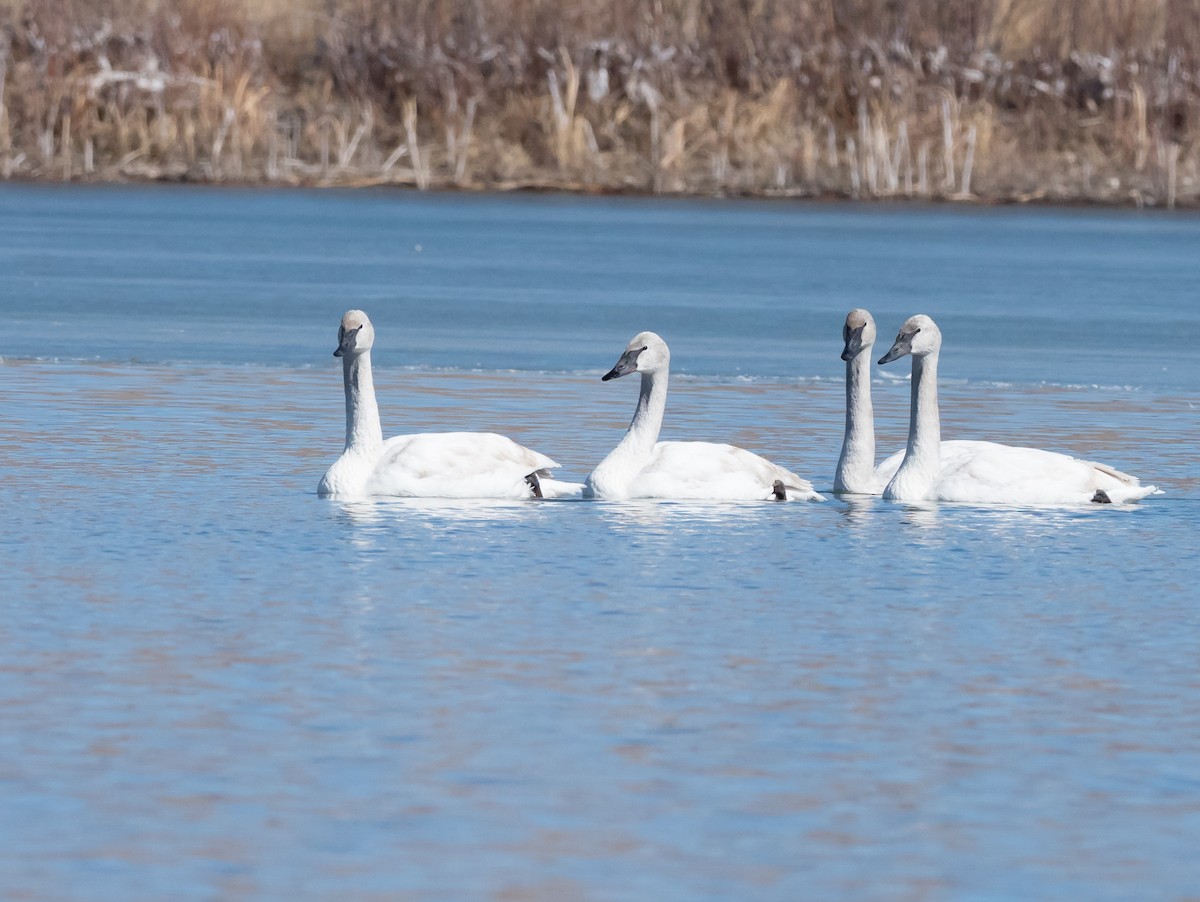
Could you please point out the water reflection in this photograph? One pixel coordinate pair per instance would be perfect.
(375, 512)
(857, 510)
(921, 514)
(659, 515)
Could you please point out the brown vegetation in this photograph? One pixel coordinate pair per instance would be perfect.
(994, 99)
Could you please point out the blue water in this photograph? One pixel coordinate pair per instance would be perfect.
(214, 684)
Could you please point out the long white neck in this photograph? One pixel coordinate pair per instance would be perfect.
(642, 434)
(363, 432)
(612, 476)
(922, 458)
(924, 424)
(856, 466)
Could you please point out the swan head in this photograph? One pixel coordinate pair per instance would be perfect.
(355, 334)
(918, 336)
(858, 333)
(645, 353)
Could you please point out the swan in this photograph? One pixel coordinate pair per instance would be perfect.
(643, 467)
(856, 472)
(985, 472)
(428, 464)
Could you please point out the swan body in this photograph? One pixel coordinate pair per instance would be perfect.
(442, 465)
(984, 472)
(643, 467)
(424, 465)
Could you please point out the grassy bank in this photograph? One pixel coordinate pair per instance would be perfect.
(1001, 100)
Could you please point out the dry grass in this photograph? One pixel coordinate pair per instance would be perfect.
(1093, 100)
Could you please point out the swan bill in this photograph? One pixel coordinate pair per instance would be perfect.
(854, 343)
(347, 339)
(902, 347)
(626, 365)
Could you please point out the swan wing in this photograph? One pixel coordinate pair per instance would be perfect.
(951, 451)
(987, 472)
(709, 471)
(456, 465)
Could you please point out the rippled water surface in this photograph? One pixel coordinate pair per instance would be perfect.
(215, 685)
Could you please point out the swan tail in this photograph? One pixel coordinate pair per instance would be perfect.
(794, 488)
(557, 489)
(1125, 494)
(788, 491)
(1119, 488)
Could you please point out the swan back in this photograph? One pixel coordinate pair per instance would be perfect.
(455, 465)
(988, 472)
(715, 472)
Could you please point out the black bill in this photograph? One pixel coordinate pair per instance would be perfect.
(853, 343)
(902, 347)
(346, 341)
(626, 365)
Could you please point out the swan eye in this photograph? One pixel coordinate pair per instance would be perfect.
(643, 348)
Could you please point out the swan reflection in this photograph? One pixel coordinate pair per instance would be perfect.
(859, 510)
(651, 513)
(370, 512)
(1006, 522)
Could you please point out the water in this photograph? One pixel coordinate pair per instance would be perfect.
(214, 684)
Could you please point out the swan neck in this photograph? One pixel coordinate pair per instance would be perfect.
(924, 424)
(857, 462)
(363, 431)
(648, 417)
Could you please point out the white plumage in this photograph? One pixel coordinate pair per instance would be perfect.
(984, 472)
(643, 467)
(856, 472)
(429, 464)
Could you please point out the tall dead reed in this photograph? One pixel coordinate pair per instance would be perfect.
(984, 99)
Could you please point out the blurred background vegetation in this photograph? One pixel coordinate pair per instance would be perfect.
(1092, 100)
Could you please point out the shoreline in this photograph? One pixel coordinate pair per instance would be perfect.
(1185, 206)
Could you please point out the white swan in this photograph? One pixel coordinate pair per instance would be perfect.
(643, 467)
(985, 472)
(429, 464)
(856, 472)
